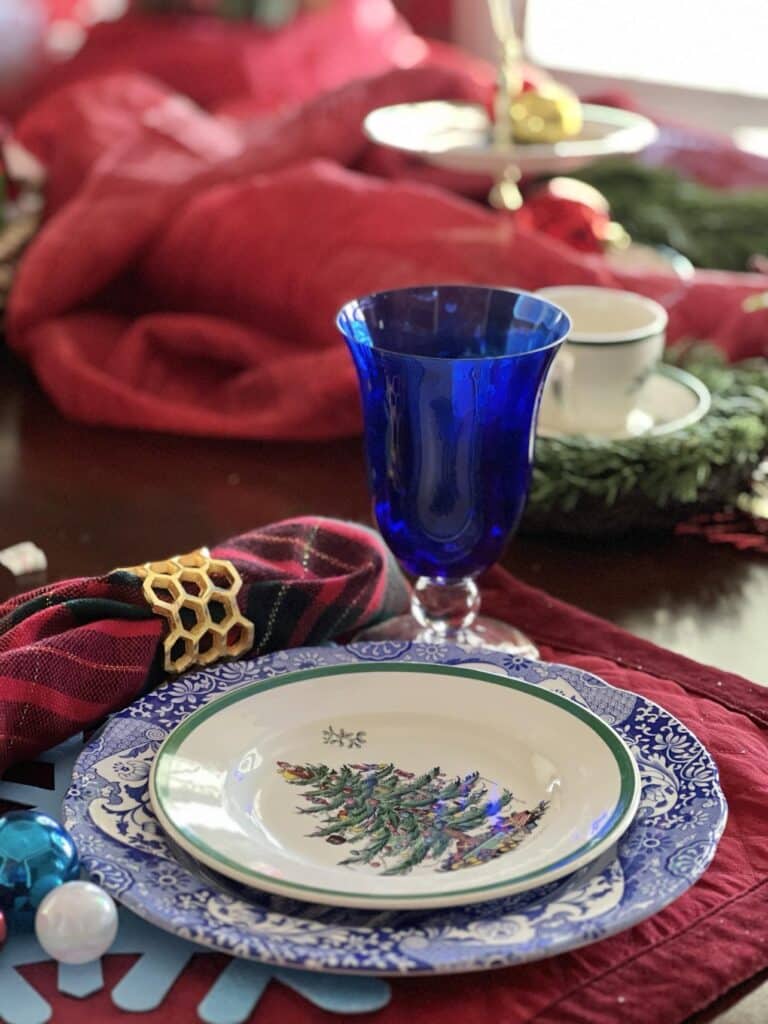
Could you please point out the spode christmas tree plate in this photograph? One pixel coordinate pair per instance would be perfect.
(394, 785)
(668, 845)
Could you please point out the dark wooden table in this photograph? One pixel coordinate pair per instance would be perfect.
(94, 499)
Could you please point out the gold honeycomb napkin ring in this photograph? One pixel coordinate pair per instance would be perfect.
(196, 595)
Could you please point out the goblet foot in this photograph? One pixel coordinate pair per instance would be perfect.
(446, 611)
(486, 633)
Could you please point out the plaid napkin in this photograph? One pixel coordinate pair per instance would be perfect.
(75, 651)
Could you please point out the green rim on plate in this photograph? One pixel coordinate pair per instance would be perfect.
(626, 802)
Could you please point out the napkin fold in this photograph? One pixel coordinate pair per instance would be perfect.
(192, 261)
(74, 651)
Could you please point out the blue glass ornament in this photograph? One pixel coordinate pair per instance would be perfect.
(36, 855)
(451, 379)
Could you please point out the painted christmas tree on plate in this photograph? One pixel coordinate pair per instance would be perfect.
(396, 820)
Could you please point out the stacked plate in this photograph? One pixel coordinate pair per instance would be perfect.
(459, 136)
(395, 808)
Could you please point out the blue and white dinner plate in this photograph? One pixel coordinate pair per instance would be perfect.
(669, 844)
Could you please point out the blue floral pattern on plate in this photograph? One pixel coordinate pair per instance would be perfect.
(681, 817)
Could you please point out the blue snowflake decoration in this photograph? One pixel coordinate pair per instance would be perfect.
(163, 958)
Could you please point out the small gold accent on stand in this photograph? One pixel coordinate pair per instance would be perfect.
(755, 302)
(196, 595)
(548, 114)
(505, 195)
(509, 74)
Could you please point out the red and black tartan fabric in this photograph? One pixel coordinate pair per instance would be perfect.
(73, 652)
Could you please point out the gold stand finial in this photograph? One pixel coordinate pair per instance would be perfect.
(510, 78)
(505, 194)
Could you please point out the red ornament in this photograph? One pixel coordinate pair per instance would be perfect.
(571, 211)
(3, 929)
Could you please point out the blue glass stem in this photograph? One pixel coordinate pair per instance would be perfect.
(445, 608)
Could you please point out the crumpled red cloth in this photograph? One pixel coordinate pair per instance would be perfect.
(188, 275)
(217, 61)
(660, 972)
(75, 651)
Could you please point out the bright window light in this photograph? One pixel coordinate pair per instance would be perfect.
(694, 43)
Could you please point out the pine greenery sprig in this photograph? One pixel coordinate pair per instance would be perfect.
(717, 228)
(588, 486)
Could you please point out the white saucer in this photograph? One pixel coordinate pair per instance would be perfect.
(394, 785)
(670, 400)
(458, 136)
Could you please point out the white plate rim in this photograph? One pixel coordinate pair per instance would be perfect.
(614, 828)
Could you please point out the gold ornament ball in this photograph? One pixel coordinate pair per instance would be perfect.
(548, 114)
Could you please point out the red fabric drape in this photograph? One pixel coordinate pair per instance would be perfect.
(192, 261)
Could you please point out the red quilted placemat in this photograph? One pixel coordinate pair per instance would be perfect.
(661, 971)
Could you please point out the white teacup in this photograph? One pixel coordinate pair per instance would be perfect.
(616, 342)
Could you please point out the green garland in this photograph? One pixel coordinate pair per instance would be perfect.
(587, 486)
(714, 228)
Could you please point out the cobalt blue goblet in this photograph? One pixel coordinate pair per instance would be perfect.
(451, 379)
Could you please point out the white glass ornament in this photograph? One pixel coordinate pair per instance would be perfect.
(76, 922)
